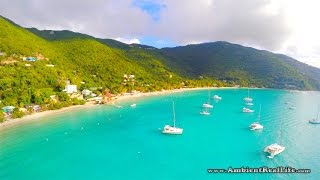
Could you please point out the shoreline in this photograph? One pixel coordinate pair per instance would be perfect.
(38, 116)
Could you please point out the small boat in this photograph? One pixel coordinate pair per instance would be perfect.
(167, 129)
(256, 125)
(207, 104)
(217, 98)
(133, 105)
(205, 112)
(247, 110)
(316, 120)
(248, 99)
(275, 149)
(249, 104)
(291, 108)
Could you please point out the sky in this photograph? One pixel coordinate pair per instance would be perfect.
(282, 26)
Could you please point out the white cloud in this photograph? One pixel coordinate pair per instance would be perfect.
(129, 41)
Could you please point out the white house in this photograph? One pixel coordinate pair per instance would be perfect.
(86, 92)
(70, 89)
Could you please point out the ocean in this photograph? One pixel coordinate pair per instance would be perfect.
(105, 142)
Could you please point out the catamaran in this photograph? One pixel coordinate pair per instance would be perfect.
(275, 149)
(205, 112)
(248, 99)
(217, 98)
(317, 120)
(256, 125)
(167, 129)
(247, 110)
(207, 104)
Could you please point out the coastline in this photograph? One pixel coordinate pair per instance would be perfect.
(38, 116)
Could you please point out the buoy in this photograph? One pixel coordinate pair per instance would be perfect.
(65, 133)
(47, 139)
(81, 128)
(98, 124)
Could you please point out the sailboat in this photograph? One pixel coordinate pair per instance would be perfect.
(275, 149)
(317, 120)
(256, 125)
(205, 112)
(167, 129)
(247, 110)
(217, 98)
(207, 104)
(248, 99)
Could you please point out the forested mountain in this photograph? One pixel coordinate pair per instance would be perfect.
(95, 63)
(244, 65)
(86, 62)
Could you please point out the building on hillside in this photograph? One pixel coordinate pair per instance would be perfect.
(31, 59)
(2, 53)
(86, 92)
(70, 89)
(49, 65)
(27, 65)
(8, 109)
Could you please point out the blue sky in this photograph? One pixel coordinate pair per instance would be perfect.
(153, 9)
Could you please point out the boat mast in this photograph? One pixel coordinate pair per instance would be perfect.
(318, 111)
(248, 93)
(174, 115)
(259, 114)
(280, 127)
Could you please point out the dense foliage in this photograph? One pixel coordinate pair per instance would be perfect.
(85, 62)
(100, 64)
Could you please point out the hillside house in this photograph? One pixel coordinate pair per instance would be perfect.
(8, 109)
(86, 92)
(70, 89)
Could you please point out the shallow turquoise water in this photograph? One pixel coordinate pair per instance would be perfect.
(127, 144)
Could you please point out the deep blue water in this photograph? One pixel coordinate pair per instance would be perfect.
(105, 142)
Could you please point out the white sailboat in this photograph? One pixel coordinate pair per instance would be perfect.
(249, 104)
(256, 125)
(167, 129)
(217, 98)
(207, 104)
(247, 110)
(248, 99)
(275, 149)
(205, 111)
(317, 120)
(133, 105)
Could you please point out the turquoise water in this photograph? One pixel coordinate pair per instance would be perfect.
(105, 142)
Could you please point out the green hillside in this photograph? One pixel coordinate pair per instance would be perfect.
(244, 65)
(86, 62)
(99, 64)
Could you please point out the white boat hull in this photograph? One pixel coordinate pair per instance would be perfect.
(205, 113)
(314, 121)
(247, 110)
(207, 106)
(255, 126)
(172, 130)
(274, 149)
(247, 99)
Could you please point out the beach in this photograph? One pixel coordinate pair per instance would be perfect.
(41, 115)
